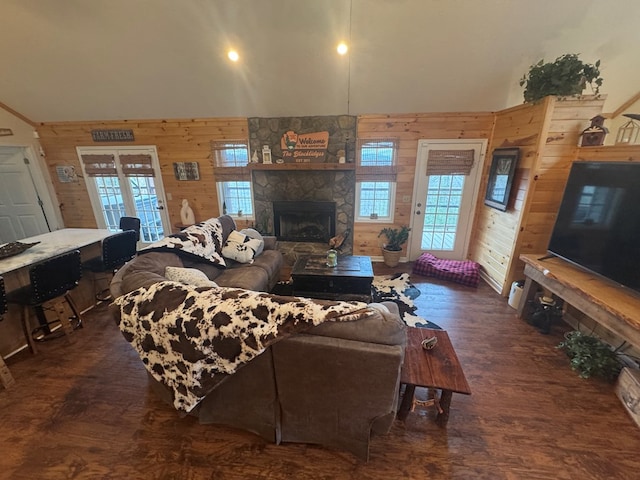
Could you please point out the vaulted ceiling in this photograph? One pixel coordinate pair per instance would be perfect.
(66, 60)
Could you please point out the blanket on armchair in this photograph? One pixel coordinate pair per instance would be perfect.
(191, 338)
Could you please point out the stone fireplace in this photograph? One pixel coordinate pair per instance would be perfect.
(313, 186)
(326, 198)
(306, 221)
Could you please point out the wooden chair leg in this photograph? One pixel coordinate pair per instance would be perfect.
(5, 375)
(26, 310)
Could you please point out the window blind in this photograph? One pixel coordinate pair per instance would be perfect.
(100, 165)
(376, 160)
(450, 162)
(138, 165)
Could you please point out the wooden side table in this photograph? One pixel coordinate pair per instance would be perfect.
(437, 368)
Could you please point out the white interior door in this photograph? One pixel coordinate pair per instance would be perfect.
(21, 211)
(117, 191)
(443, 205)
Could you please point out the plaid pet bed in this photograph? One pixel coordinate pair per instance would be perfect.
(466, 272)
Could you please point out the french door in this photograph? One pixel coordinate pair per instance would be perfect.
(445, 190)
(126, 182)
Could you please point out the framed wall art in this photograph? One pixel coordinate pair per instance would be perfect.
(186, 171)
(503, 168)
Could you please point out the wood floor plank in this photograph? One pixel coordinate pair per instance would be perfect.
(85, 411)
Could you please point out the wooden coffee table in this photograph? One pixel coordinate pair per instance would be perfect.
(437, 368)
(349, 280)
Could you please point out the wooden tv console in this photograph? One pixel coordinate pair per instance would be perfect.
(614, 307)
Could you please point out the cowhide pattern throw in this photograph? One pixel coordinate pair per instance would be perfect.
(202, 240)
(191, 338)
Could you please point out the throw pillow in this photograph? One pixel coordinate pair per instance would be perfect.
(250, 232)
(189, 276)
(240, 247)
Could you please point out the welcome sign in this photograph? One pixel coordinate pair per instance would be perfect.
(304, 147)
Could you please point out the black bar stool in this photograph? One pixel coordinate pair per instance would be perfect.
(51, 280)
(117, 249)
(5, 375)
(130, 223)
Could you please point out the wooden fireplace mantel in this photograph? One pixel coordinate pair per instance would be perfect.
(614, 307)
(302, 166)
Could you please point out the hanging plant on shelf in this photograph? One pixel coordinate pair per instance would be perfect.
(566, 76)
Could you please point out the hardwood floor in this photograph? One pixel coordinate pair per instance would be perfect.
(83, 410)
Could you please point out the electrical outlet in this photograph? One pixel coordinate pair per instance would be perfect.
(169, 196)
(406, 198)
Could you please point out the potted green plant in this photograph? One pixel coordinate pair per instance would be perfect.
(566, 76)
(591, 357)
(396, 237)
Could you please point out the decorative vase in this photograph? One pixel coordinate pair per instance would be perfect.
(391, 257)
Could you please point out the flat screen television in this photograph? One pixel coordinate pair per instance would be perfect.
(598, 224)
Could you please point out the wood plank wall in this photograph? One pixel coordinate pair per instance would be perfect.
(178, 140)
(547, 134)
(495, 232)
(408, 129)
(568, 117)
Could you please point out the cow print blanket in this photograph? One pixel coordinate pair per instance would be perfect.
(202, 241)
(192, 338)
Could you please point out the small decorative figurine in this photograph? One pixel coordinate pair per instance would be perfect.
(186, 213)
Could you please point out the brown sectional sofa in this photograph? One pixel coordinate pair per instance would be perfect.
(334, 384)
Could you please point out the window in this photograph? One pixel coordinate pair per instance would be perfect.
(376, 181)
(377, 153)
(375, 201)
(442, 212)
(235, 198)
(233, 181)
(231, 154)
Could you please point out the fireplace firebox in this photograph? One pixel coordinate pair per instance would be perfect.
(304, 221)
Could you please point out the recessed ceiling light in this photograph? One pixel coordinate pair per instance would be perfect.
(342, 48)
(233, 55)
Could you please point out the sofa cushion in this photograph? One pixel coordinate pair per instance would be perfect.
(269, 260)
(154, 262)
(211, 271)
(136, 279)
(189, 276)
(228, 226)
(384, 328)
(241, 248)
(249, 278)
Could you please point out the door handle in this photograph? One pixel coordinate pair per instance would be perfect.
(159, 207)
(418, 212)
